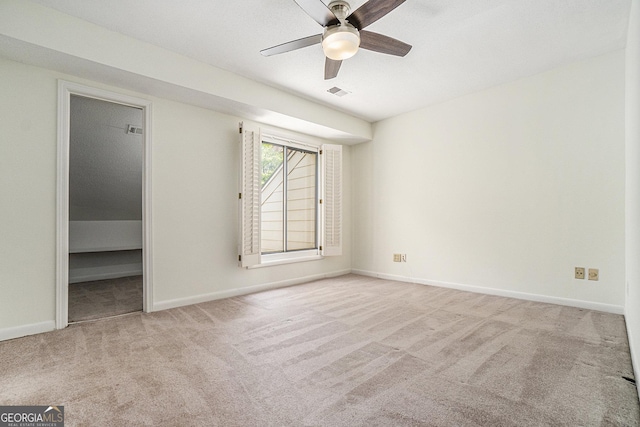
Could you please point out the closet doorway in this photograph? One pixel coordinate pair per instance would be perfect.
(103, 218)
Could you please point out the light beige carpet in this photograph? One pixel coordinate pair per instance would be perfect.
(349, 351)
(104, 298)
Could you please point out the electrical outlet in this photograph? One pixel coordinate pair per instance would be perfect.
(579, 272)
(397, 257)
(594, 274)
(404, 257)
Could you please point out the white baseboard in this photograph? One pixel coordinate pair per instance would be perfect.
(24, 330)
(180, 302)
(106, 272)
(590, 305)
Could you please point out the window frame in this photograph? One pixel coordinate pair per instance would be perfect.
(328, 198)
(295, 255)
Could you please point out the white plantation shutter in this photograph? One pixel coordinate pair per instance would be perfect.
(250, 197)
(332, 200)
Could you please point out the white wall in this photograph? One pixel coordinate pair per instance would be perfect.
(195, 157)
(105, 162)
(28, 195)
(632, 310)
(502, 191)
(195, 196)
(89, 266)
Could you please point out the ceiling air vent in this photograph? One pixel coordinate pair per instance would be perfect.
(338, 92)
(136, 130)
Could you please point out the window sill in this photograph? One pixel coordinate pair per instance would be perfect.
(288, 258)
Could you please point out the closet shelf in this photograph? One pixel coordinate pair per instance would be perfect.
(104, 236)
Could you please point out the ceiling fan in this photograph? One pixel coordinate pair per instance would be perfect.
(344, 33)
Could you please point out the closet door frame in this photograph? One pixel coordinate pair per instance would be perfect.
(65, 90)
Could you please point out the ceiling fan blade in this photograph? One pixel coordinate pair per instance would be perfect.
(331, 68)
(371, 11)
(292, 45)
(318, 11)
(383, 44)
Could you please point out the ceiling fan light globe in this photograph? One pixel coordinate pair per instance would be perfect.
(340, 43)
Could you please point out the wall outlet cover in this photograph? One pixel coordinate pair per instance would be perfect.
(594, 274)
(579, 274)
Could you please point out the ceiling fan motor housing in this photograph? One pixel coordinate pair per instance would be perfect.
(340, 9)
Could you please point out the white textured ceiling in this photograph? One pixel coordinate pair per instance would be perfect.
(459, 46)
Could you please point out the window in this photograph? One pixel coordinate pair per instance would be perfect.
(290, 200)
